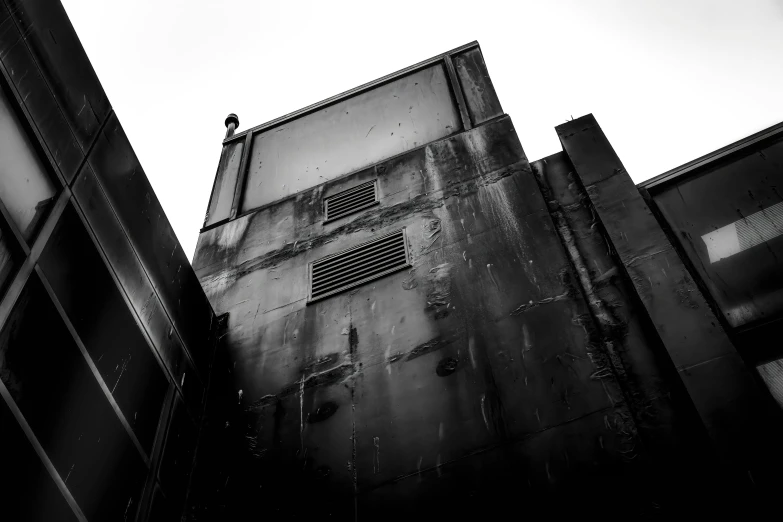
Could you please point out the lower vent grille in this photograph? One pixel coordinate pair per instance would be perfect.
(351, 200)
(358, 265)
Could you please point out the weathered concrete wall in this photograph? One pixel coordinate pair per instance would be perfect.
(664, 414)
(508, 367)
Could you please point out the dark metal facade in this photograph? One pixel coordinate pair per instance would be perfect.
(725, 214)
(550, 350)
(105, 333)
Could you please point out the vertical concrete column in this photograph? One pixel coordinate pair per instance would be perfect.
(733, 408)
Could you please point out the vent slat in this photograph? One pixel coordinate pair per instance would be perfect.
(358, 265)
(339, 278)
(342, 196)
(372, 257)
(354, 205)
(358, 255)
(360, 275)
(354, 252)
(329, 293)
(355, 189)
(352, 211)
(337, 206)
(347, 280)
(351, 200)
(358, 199)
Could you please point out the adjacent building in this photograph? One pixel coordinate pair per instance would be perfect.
(106, 336)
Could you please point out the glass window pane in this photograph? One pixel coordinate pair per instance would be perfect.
(28, 493)
(729, 221)
(66, 409)
(178, 455)
(25, 187)
(105, 324)
(350, 135)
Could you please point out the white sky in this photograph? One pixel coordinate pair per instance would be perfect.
(667, 80)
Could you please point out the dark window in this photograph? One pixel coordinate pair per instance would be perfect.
(28, 492)
(57, 393)
(94, 305)
(728, 219)
(177, 458)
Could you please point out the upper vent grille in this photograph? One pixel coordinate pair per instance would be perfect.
(358, 265)
(351, 200)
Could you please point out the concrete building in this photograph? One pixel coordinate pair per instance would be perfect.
(421, 322)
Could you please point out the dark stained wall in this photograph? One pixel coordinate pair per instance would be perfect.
(501, 370)
(480, 97)
(105, 333)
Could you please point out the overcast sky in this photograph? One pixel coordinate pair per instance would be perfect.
(667, 80)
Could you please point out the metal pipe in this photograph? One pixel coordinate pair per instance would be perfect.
(232, 122)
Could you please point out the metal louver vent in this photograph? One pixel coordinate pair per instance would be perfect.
(358, 265)
(351, 200)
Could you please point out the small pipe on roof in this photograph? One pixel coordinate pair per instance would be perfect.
(232, 122)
